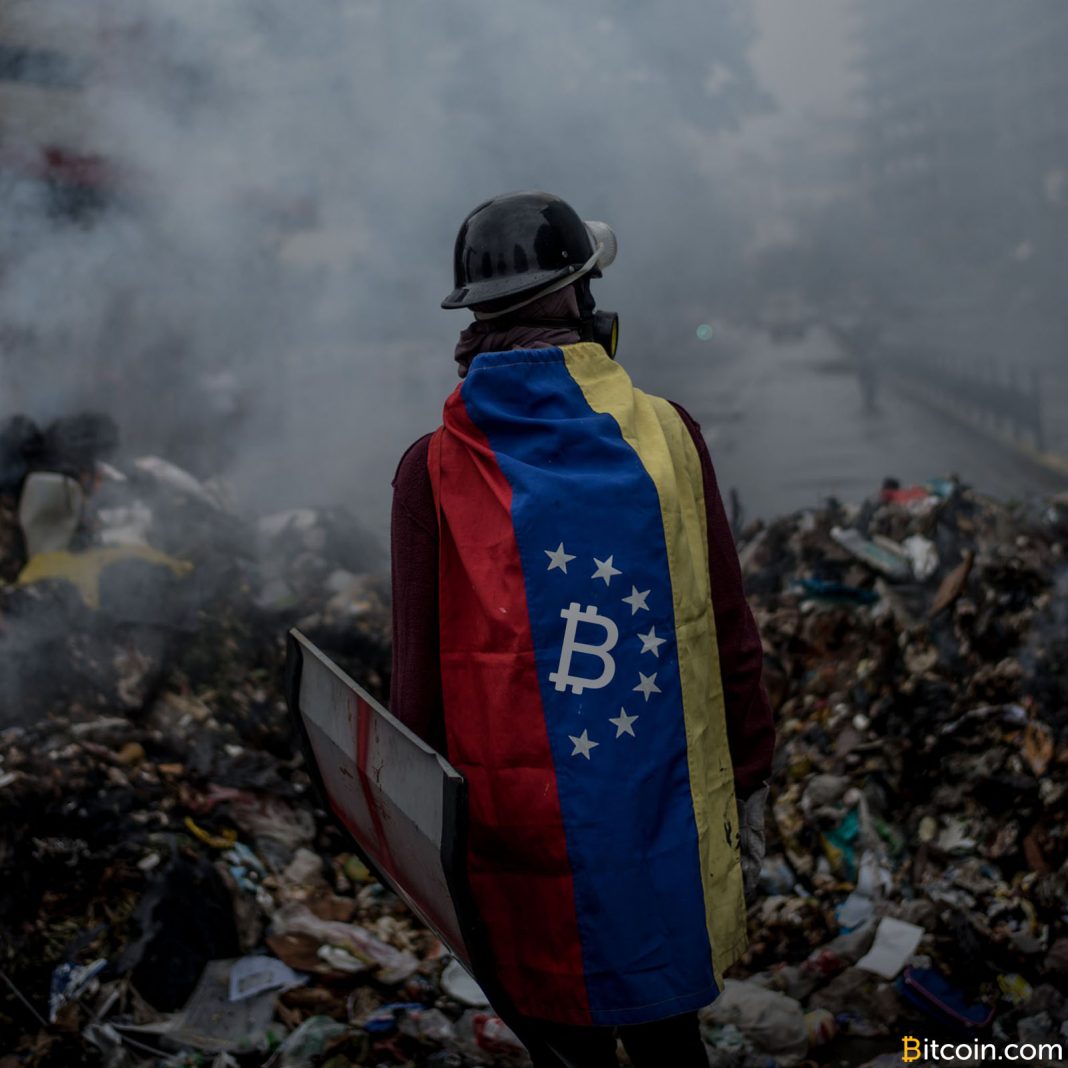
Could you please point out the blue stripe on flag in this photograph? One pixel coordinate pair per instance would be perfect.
(588, 524)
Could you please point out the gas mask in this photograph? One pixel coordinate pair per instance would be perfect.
(601, 327)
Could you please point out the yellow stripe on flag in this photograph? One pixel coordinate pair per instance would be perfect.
(655, 431)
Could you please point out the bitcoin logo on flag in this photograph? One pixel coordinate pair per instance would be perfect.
(562, 677)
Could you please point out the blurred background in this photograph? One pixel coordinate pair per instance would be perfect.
(842, 225)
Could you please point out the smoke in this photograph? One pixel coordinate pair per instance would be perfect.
(258, 295)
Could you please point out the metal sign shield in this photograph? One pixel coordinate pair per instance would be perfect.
(402, 802)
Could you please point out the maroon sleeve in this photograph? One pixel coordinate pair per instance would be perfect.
(750, 724)
(415, 688)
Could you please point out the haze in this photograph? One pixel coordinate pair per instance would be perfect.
(806, 195)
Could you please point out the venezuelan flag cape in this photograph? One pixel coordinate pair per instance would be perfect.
(583, 701)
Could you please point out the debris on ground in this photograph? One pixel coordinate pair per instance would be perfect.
(175, 897)
(917, 872)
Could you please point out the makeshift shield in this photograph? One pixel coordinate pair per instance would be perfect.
(402, 802)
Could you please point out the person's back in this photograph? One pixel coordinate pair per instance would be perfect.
(597, 681)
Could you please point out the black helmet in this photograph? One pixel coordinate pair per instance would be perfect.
(524, 243)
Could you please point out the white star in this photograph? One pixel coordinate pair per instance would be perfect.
(605, 570)
(651, 643)
(636, 600)
(583, 744)
(623, 723)
(648, 685)
(558, 558)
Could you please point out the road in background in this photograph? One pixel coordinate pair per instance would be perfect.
(787, 427)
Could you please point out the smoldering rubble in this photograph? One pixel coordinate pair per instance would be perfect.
(174, 894)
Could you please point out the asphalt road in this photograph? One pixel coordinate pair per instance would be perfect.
(787, 426)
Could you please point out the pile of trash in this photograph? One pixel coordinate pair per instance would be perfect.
(917, 872)
(111, 577)
(173, 895)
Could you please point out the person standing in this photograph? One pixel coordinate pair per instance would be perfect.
(570, 629)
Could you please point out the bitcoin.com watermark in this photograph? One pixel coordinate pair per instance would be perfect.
(930, 1051)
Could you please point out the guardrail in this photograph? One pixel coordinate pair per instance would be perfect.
(1004, 399)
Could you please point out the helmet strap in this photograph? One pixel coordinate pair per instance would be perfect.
(552, 287)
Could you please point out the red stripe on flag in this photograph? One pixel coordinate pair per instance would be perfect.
(518, 865)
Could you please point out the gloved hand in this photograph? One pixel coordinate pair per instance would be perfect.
(751, 842)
